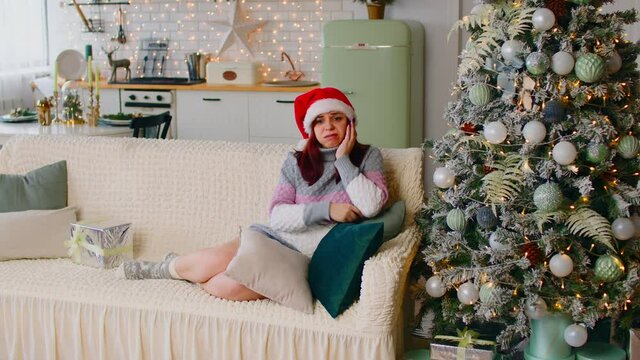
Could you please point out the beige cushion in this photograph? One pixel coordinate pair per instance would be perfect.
(35, 233)
(273, 270)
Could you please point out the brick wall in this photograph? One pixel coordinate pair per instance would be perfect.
(192, 25)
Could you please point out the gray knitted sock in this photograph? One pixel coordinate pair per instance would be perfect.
(138, 270)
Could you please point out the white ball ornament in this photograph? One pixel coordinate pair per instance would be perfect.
(623, 228)
(614, 63)
(443, 178)
(495, 244)
(537, 309)
(434, 287)
(564, 153)
(534, 132)
(575, 335)
(511, 49)
(495, 132)
(543, 19)
(468, 293)
(562, 63)
(561, 265)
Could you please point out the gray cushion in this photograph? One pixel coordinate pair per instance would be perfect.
(273, 270)
(392, 218)
(35, 233)
(40, 189)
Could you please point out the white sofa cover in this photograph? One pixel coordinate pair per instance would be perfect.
(181, 196)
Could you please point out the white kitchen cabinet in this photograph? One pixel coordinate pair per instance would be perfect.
(271, 118)
(110, 101)
(213, 115)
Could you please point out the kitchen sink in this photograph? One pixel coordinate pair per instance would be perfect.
(293, 83)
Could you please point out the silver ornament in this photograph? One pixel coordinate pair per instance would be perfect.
(495, 132)
(548, 197)
(537, 63)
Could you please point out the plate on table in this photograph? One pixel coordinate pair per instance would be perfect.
(71, 64)
(25, 116)
(119, 119)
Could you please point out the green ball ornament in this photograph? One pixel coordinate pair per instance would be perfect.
(456, 220)
(628, 147)
(480, 94)
(609, 268)
(590, 68)
(597, 153)
(537, 63)
(548, 197)
(488, 293)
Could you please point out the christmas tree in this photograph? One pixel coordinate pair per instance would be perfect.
(537, 191)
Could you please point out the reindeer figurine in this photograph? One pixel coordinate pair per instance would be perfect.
(115, 64)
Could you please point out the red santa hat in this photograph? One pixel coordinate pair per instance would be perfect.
(319, 101)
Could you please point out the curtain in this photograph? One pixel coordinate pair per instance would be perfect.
(23, 51)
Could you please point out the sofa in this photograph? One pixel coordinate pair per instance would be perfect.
(182, 195)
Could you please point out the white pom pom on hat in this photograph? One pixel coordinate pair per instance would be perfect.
(319, 101)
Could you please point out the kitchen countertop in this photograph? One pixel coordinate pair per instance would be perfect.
(206, 87)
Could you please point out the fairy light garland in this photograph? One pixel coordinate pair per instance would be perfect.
(291, 26)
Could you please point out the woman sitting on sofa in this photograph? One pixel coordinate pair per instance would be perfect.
(333, 179)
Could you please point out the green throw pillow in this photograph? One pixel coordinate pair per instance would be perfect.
(335, 270)
(41, 189)
(392, 218)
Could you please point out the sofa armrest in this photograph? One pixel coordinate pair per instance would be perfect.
(383, 280)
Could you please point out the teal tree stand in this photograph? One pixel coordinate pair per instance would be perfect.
(547, 339)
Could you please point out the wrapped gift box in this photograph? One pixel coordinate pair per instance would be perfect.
(101, 244)
(452, 352)
(634, 344)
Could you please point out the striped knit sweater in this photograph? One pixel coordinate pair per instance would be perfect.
(299, 213)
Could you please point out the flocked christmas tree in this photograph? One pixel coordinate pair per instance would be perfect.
(537, 192)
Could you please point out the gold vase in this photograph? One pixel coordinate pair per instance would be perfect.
(375, 10)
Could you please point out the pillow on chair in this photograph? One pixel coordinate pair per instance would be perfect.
(40, 189)
(392, 218)
(273, 270)
(35, 233)
(335, 270)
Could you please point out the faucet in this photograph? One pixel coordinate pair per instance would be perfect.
(292, 74)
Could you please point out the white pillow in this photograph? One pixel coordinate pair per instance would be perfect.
(35, 233)
(273, 270)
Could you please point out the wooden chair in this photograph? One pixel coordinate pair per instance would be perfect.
(153, 126)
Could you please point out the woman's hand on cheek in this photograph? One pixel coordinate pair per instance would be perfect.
(348, 142)
(344, 212)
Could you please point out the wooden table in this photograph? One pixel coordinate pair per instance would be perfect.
(7, 130)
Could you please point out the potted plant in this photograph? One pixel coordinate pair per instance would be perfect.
(376, 8)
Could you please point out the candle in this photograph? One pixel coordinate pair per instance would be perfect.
(97, 81)
(90, 68)
(55, 76)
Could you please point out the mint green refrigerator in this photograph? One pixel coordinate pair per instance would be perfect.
(379, 65)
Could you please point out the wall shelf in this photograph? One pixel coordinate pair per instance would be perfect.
(102, 3)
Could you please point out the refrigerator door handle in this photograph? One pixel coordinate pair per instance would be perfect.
(348, 92)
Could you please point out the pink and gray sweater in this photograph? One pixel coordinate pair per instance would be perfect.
(299, 213)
